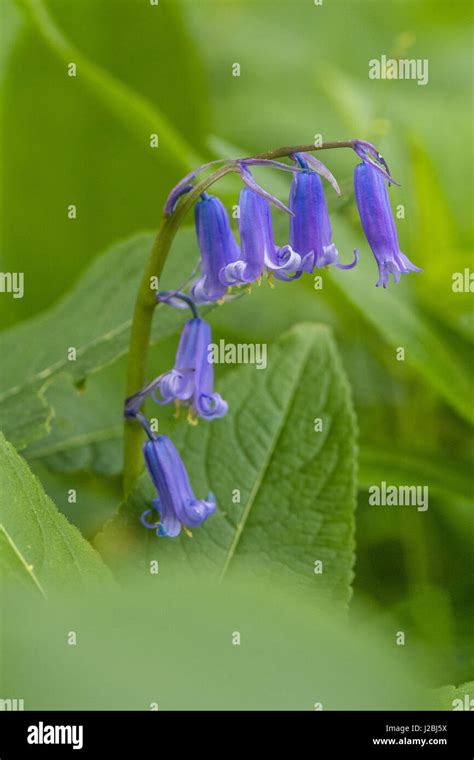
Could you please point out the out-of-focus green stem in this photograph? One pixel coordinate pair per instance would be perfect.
(146, 297)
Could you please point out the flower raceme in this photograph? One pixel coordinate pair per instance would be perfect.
(372, 200)
(175, 502)
(226, 263)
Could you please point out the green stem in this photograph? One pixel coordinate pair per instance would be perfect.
(142, 320)
(146, 298)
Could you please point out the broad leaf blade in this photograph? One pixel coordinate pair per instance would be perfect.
(297, 486)
(93, 319)
(14, 565)
(49, 546)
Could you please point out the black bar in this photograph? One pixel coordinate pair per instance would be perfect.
(327, 734)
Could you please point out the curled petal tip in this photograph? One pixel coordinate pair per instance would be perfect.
(144, 520)
(352, 264)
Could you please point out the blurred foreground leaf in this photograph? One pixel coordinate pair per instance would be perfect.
(200, 646)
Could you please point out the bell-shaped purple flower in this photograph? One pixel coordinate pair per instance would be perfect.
(192, 379)
(378, 223)
(175, 502)
(218, 248)
(257, 245)
(310, 227)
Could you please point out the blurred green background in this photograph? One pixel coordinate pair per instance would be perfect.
(167, 69)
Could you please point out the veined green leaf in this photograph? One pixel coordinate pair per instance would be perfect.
(14, 565)
(285, 491)
(87, 330)
(51, 550)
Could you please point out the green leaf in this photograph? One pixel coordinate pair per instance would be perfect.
(35, 535)
(93, 319)
(14, 565)
(296, 486)
(87, 428)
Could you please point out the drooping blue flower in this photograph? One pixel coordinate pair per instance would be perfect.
(310, 227)
(217, 245)
(257, 245)
(175, 502)
(191, 381)
(378, 223)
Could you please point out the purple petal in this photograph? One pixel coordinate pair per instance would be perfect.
(217, 245)
(269, 162)
(310, 227)
(250, 182)
(366, 151)
(378, 223)
(352, 264)
(186, 184)
(321, 169)
(176, 501)
(183, 187)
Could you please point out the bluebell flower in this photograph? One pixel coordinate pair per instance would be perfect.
(310, 227)
(217, 245)
(258, 251)
(176, 503)
(378, 223)
(191, 381)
